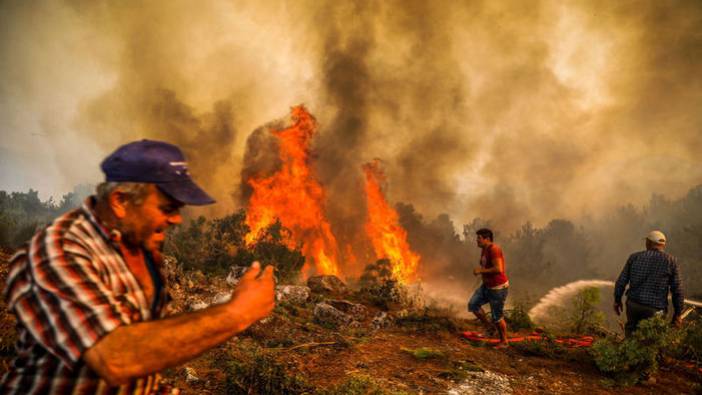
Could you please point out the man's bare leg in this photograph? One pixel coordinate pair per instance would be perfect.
(484, 319)
(502, 329)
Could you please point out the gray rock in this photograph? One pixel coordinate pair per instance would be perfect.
(327, 314)
(235, 273)
(486, 382)
(382, 320)
(296, 294)
(191, 375)
(357, 311)
(197, 304)
(221, 297)
(326, 284)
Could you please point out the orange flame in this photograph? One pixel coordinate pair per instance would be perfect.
(295, 197)
(383, 228)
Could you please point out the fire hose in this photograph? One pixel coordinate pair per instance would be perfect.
(572, 342)
(693, 306)
(581, 341)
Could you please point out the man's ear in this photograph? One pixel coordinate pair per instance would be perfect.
(117, 201)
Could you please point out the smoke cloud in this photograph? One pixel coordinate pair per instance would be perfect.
(500, 110)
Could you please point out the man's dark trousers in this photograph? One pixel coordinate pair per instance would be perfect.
(637, 312)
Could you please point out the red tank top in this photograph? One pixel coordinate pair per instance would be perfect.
(488, 254)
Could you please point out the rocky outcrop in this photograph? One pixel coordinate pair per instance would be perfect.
(197, 304)
(221, 297)
(235, 273)
(327, 315)
(382, 320)
(326, 284)
(296, 294)
(355, 310)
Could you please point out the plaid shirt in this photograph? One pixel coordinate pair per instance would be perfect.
(650, 274)
(68, 288)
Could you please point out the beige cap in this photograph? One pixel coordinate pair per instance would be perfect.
(656, 236)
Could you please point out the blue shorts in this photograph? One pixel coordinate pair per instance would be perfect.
(485, 295)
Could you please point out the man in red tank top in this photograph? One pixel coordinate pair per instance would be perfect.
(495, 285)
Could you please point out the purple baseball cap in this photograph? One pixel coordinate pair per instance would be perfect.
(155, 162)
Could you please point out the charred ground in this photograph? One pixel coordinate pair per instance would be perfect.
(414, 350)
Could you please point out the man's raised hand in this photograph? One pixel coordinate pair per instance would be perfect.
(254, 295)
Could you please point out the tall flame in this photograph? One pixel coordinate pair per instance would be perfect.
(383, 228)
(294, 196)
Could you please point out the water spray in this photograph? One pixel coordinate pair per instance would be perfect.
(557, 296)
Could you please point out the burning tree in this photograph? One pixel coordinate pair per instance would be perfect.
(389, 239)
(293, 196)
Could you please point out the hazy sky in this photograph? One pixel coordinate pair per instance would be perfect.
(507, 110)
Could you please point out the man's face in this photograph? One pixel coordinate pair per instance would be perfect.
(654, 246)
(145, 225)
(482, 241)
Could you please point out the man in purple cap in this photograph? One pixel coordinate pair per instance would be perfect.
(89, 296)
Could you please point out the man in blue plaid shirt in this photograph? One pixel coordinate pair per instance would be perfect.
(650, 274)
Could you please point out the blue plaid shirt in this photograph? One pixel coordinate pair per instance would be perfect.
(650, 274)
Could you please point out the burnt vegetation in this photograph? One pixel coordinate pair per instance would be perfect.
(214, 246)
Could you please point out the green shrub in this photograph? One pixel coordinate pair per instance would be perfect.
(359, 384)
(379, 288)
(213, 246)
(584, 316)
(261, 374)
(423, 353)
(689, 346)
(22, 212)
(630, 360)
(187, 243)
(385, 295)
(429, 319)
(518, 318)
(376, 273)
(210, 246)
(459, 370)
(271, 249)
(547, 347)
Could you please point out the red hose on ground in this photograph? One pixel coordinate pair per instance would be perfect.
(572, 342)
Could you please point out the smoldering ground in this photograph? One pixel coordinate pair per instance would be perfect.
(509, 111)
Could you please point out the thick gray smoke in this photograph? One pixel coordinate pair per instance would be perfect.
(262, 156)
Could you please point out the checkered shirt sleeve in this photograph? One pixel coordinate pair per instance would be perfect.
(650, 275)
(68, 288)
(58, 295)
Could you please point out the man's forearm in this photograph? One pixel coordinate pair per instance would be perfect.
(620, 286)
(618, 293)
(678, 303)
(143, 348)
(676, 291)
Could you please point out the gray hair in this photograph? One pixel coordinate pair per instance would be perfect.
(136, 192)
